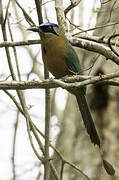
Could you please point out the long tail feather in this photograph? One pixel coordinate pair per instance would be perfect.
(87, 118)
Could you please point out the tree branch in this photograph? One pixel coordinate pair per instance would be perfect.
(47, 104)
(27, 17)
(95, 47)
(66, 82)
(71, 6)
(98, 39)
(81, 43)
(60, 15)
(64, 161)
(110, 45)
(19, 43)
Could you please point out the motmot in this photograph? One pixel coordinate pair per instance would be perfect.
(61, 59)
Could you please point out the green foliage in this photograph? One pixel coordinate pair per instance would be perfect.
(95, 10)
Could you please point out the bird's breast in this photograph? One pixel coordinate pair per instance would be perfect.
(54, 54)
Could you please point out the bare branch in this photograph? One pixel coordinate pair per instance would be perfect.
(105, 2)
(64, 161)
(19, 93)
(81, 43)
(15, 102)
(71, 6)
(97, 39)
(62, 169)
(35, 134)
(19, 43)
(47, 105)
(6, 12)
(60, 15)
(95, 47)
(94, 28)
(14, 145)
(14, 50)
(39, 10)
(27, 17)
(109, 43)
(66, 83)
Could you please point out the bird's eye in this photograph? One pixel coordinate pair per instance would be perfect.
(49, 27)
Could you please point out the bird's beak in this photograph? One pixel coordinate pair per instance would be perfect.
(34, 29)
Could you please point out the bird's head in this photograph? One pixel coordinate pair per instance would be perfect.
(46, 28)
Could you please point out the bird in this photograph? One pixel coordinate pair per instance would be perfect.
(61, 59)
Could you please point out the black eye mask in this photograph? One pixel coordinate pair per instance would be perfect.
(48, 29)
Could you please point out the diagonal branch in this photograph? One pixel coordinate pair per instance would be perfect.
(71, 6)
(27, 17)
(95, 47)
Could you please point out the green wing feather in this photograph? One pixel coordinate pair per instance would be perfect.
(72, 59)
(73, 64)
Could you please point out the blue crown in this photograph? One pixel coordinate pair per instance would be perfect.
(48, 24)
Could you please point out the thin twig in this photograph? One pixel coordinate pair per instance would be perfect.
(21, 98)
(19, 93)
(6, 13)
(33, 127)
(71, 6)
(47, 133)
(47, 105)
(20, 43)
(62, 168)
(27, 17)
(97, 27)
(62, 158)
(14, 100)
(14, 146)
(14, 50)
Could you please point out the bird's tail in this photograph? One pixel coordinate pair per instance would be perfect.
(89, 124)
(87, 118)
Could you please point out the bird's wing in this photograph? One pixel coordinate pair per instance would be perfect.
(72, 60)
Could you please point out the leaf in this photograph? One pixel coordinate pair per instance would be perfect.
(95, 10)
